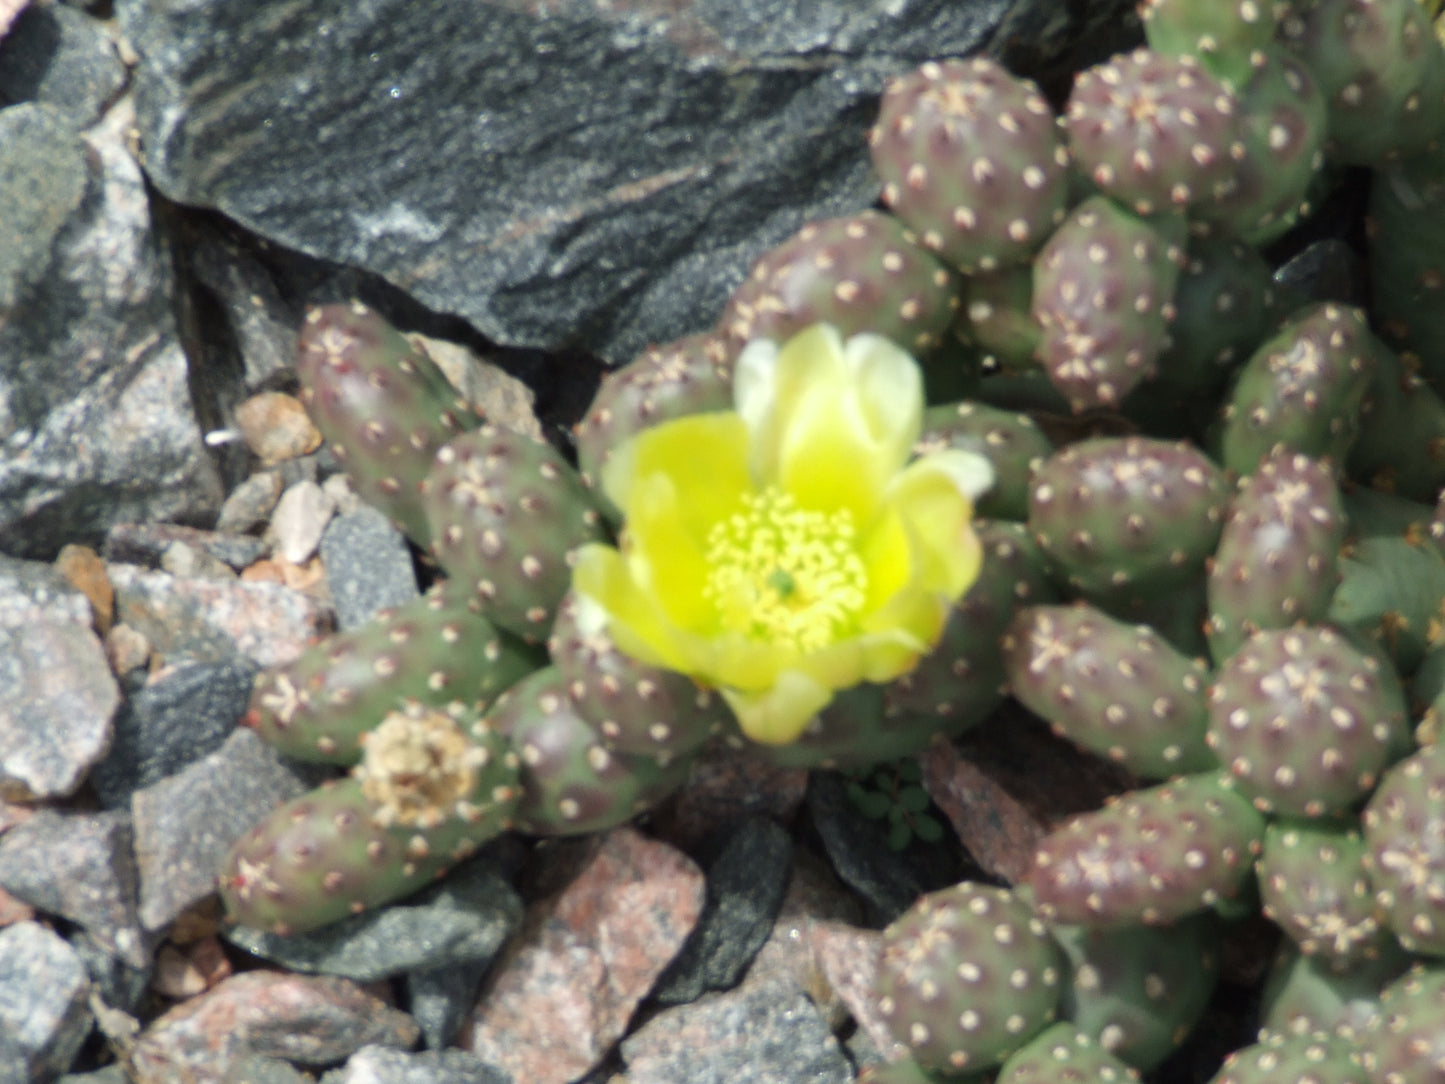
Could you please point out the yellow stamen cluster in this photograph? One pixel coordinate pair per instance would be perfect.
(786, 575)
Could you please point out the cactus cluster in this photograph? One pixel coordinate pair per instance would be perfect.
(1211, 554)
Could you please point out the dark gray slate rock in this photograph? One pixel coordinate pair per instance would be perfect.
(185, 824)
(62, 57)
(440, 1000)
(171, 722)
(383, 1065)
(96, 425)
(368, 566)
(43, 1013)
(569, 173)
(118, 984)
(80, 866)
(465, 919)
(746, 884)
(764, 1033)
(57, 695)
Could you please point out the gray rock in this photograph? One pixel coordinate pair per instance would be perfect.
(113, 1073)
(746, 884)
(441, 999)
(33, 591)
(43, 994)
(572, 173)
(368, 565)
(146, 544)
(464, 919)
(119, 985)
(96, 425)
(57, 698)
(259, 1069)
(384, 1065)
(170, 723)
(207, 620)
(62, 57)
(300, 517)
(186, 823)
(80, 866)
(769, 1033)
(249, 505)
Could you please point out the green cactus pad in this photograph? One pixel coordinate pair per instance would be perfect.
(1405, 1043)
(967, 976)
(1127, 512)
(1278, 558)
(436, 650)
(970, 158)
(1064, 1054)
(1304, 721)
(1011, 441)
(1151, 856)
(1303, 1059)
(1304, 995)
(506, 512)
(863, 272)
(382, 405)
(1222, 33)
(433, 787)
(1405, 832)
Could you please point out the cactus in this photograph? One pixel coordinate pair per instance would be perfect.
(1104, 296)
(1151, 856)
(1011, 441)
(1115, 689)
(1064, 1053)
(1222, 34)
(863, 272)
(971, 160)
(1155, 132)
(1322, 1058)
(382, 405)
(1304, 721)
(1405, 833)
(966, 977)
(1127, 512)
(1404, 1043)
(431, 788)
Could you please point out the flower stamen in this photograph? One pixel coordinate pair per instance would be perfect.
(786, 575)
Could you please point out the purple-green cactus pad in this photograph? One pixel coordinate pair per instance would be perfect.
(1405, 832)
(571, 783)
(692, 375)
(382, 405)
(1401, 446)
(432, 787)
(1139, 990)
(1222, 33)
(637, 709)
(1278, 558)
(1064, 1054)
(1156, 132)
(1011, 441)
(1104, 296)
(1295, 1059)
(967, 976)
(1301, 389)
(971, 159)
(1382, 73)
(863, 272)
(1307, 994)
(1151, 856)
(997, 320)
(436, 650)
(1304, 721)
(1314, 886)
(1405, 1043)
(506, 513)
(1128, 512)
(1116, 689)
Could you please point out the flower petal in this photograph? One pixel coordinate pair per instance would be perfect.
(933, 498)
(634, 620)
(779, 715)
(666, 555)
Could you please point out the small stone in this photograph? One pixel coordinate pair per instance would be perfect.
(80, 866)
(146, 544)
(301, 516)
(83, 568)
(493, 392)
(126, 649)
(181, 714)
(368, 565)
(465, 919)
(276, 426)
(213, 620)
(386, 1065)
(568, 991)
(184, 561)
(307, 1019)
(43, 994)
(186, 823)
(250, 504)
(186, 972)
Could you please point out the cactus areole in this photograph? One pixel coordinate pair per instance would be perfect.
(787, 549)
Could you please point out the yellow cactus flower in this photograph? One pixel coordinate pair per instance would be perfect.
(787, 549)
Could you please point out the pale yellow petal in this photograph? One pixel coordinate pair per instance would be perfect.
(665, 557)
(889, 386)
(779, 714)
(930, 498)
(634, 621)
